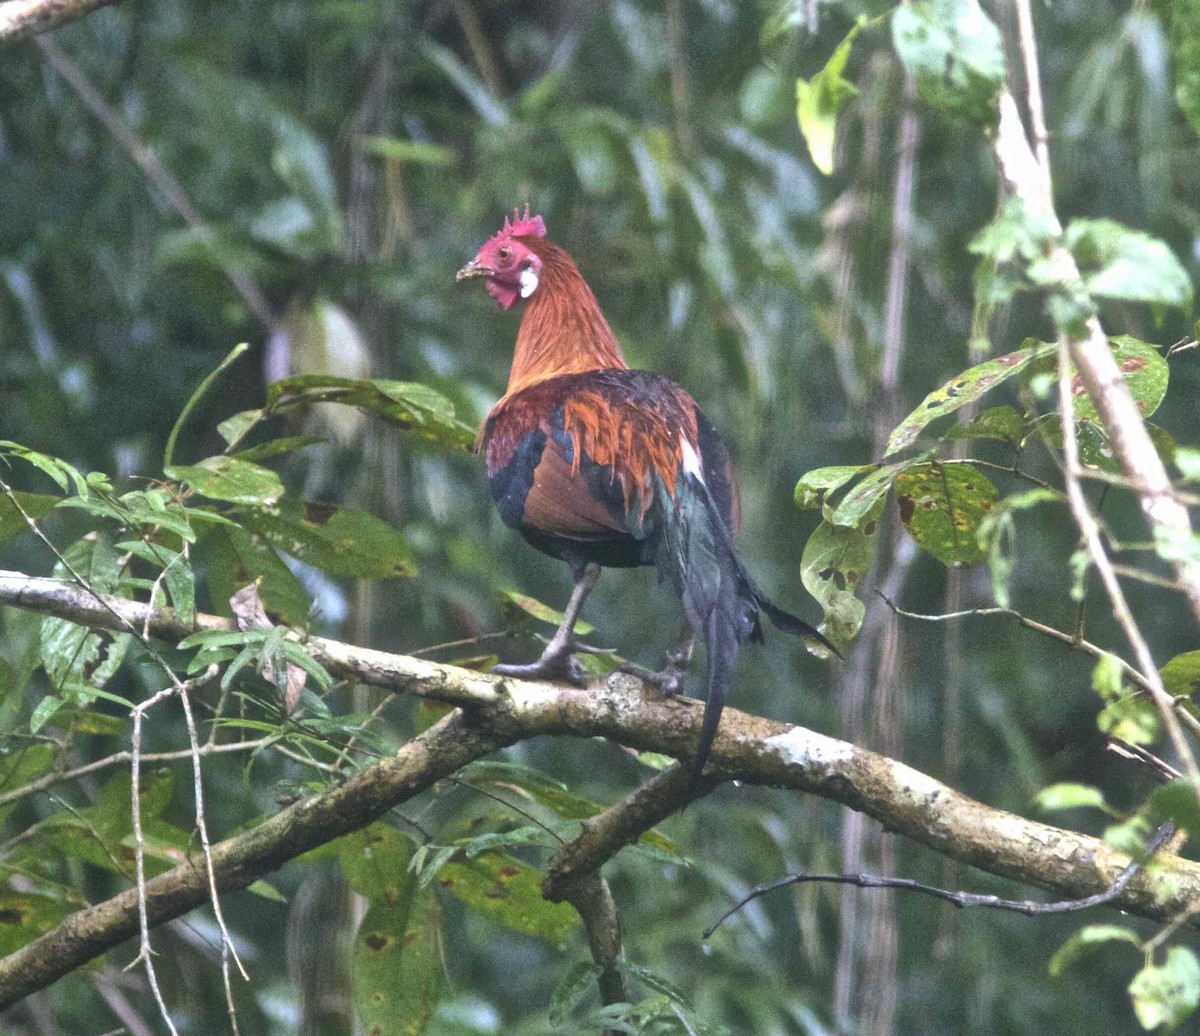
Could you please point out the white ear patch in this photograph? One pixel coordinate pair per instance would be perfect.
(691, 462)
(529, 282)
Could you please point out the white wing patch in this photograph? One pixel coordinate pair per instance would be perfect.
(691, 462)
(529, 282)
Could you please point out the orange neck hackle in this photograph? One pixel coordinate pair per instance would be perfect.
(563, 330)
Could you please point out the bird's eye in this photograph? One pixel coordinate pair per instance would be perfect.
(505, 253)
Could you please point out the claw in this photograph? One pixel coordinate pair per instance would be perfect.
(668, 682)
(558, 668)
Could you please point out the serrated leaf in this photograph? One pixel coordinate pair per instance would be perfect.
(510, 893)
(1069, 795)
(997, 422)
(407, 404)
(397, 967)
(233, 558)
(338, 540)
(955, 52)
(1085, 939)
(819, 100)
(12, 521)
(1167, 994)
(965, 388)
(835, 562)
(943, 507)
(231, 479)
(1119, 263)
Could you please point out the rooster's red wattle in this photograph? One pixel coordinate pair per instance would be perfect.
(600, 465)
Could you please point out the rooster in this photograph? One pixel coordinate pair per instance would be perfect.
(601, 465)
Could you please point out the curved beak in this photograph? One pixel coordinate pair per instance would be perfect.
(473, 269)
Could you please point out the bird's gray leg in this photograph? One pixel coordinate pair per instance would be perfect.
(556, 662)
(669, 680)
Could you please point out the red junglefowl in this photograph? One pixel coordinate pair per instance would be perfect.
(599, 465)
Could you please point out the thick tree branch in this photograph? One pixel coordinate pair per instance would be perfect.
(20, 19)
(499, 712)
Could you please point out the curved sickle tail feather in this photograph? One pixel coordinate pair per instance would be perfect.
(721, 600)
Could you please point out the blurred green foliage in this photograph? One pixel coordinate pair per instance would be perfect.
(343, 160)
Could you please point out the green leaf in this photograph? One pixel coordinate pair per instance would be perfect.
(397, 966)
(861, 505)
(59, 470)
(1145, 373)
(231, 357)
(177, 574)
(1068, 795)
(816, 485)
(819, 100)
(575, 985)
(1181, 675)
(1119, 263)
(1086, 938)
(943, 507)
(234, 559)
(835, 562)
(231, 479)
(1167, 994)
(12, 521)
(522, 605)
(998, 422)
(233, 429)
(955, 52)
(404, 403)
(1183, 22)
(19, 766)
(24, 916)
(410, 151)
(510, 893)
(1176, 800)
(335, 539)
(965, 388)
(997, 533)
(276, 447)
(375, 862)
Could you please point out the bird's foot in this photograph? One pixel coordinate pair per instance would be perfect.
(665, 683)
(558, 666)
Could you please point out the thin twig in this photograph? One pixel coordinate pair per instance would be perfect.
(1090, 530)
(48, 780)
(227, 947)
(1033, 87)
(1075, 643)
(1029, 907)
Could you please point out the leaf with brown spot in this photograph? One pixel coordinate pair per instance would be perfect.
(1145, 373)
(943, 506)
(965, 388)
(396, 965)
(24, 916)
(509, 892)
(835, 561)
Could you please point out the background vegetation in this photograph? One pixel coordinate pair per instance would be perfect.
(319, 171)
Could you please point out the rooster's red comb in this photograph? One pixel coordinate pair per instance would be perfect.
(522, 226)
